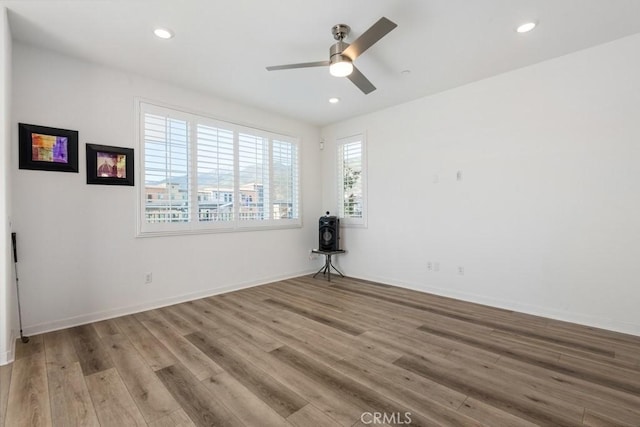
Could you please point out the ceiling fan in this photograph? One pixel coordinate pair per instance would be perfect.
(342, 54)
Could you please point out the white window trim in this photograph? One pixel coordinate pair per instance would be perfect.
(144, 229)
(347, 221)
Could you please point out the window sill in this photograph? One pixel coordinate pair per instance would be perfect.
(221, 229)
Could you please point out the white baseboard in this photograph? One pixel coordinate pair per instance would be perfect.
(579, 318)
(109, 314)
(8, 356)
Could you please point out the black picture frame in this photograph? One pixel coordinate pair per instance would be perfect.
(48, 149)
(107, 165)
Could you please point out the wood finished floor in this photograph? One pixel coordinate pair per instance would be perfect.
(305, 352)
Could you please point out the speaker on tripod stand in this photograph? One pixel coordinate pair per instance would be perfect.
(329, 233)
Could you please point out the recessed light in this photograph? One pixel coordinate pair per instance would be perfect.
(334, 100)
(163, 33)
(405, 72)
(525, 28)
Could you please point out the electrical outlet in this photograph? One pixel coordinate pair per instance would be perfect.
(429, 266)
(461, 271)
(148, 278)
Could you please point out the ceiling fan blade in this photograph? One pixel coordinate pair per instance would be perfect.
(301, 65)
(369, 38)
(361, 81)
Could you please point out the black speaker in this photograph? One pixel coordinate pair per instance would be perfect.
(329, 233)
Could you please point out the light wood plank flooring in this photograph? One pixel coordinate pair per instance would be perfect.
(305, 352)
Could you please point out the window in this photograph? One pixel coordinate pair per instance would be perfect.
(284, 203)
(215, 165)
(351, 180)
(166, 158)
(202, 175)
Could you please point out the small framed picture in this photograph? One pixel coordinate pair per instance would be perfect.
(109, 165)
(47, 149)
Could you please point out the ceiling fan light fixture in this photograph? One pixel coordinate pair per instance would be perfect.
(342, 67)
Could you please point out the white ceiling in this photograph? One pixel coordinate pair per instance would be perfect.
(222, 47)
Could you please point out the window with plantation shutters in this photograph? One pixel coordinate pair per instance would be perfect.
(203, 175)
(351, 180)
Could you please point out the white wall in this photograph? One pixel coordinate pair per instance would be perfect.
(546, 218)
(79, 259)
(7, 309)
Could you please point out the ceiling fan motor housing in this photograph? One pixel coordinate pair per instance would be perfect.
(335, 52)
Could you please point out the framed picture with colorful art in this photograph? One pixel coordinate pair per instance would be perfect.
(109, 165)
(48, 149)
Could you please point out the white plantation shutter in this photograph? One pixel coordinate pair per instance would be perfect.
(215, 158)
(202, 175)
(351, 180)
(253, 162)
(166, 159)
(284, 167)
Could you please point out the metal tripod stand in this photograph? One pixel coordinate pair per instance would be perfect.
(328, 265)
